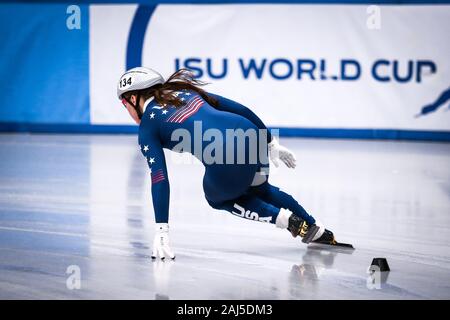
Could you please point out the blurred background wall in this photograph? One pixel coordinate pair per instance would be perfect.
(329, 69)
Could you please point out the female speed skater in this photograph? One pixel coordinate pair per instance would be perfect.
(178, 107)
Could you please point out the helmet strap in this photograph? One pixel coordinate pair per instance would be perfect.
(136, 105)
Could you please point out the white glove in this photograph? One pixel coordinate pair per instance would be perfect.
(276, 151)
(161, 242)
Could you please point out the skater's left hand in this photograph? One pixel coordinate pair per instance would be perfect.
(161, 246)
(277, 151)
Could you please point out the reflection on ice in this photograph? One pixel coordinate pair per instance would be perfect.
(161, 274)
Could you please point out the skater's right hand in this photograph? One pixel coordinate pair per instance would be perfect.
(161, 246)
(277, 151)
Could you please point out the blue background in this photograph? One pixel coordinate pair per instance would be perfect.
(44, 66)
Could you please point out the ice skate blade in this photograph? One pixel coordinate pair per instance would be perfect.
(343, 247)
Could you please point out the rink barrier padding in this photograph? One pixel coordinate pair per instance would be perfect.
(369, 134)
(352, 94)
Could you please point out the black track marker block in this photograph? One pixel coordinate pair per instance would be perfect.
(381, 263)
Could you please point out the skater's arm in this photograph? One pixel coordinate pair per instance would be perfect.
(228, 105)
(153, 152)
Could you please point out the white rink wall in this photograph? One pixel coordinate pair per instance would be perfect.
(314, 66)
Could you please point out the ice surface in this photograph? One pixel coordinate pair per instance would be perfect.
(85, 200)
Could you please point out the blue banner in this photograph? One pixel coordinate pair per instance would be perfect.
(44, 65)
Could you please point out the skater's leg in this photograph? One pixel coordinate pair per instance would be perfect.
(280, 199)
(249, 207)
(300, 222)
(252, 207)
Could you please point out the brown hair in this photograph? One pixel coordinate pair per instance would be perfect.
(164, 94)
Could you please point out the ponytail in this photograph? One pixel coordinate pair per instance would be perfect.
(165, 94)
